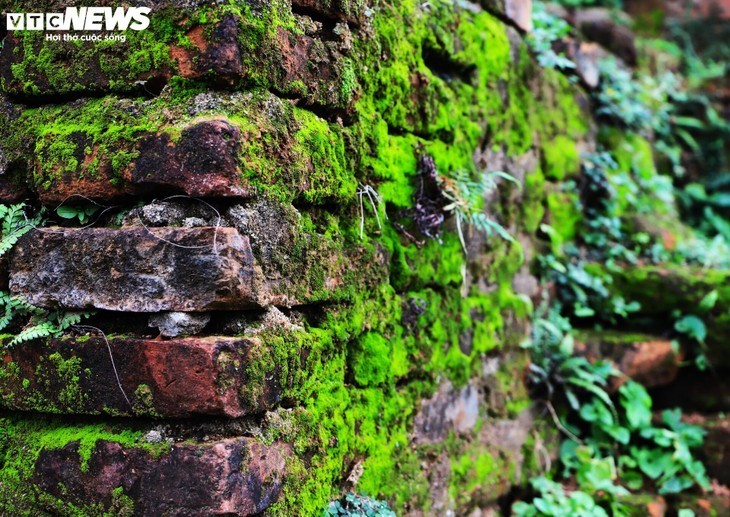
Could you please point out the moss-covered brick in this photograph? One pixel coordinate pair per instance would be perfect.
(234, 45)
(668, 292)
(110, 149)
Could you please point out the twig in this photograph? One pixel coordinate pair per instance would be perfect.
(559, 425)
(111, 358)
(373, 196)
(215, 233)
(540, 448)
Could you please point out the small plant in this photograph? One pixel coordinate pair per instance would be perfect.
(553, 501)
(587, 295)
(695, 330)
(465, 201)
(40, 322)
(547, 30)
(612, 443)
(462, 197)
(555, 368)
(353, 505)
(82, 213)
(14, 223)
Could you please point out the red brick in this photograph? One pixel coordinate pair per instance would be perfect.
(173, 379)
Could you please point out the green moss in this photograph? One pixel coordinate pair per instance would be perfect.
(358, 372)
(532, 207)
(561, 159)
(565, 215)
(23, 440)
(144, 402)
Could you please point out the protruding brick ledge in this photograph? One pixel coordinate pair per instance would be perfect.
(203, 162)
(135, 269)
(229, 477)
(171, 379)
(649, 360)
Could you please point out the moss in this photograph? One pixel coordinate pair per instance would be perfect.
(613, 337)
(144, 402)
(122, 505)
(472, 472)
(637, 184)
(358, 372)
(23, 440)
(561, 159)
(565, 215)
(666, 288)
(532, 207)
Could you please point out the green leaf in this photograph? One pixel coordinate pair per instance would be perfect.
(676, 484)
(709, 300)
(67, 212)
(637, 402)
(692, 327)
(653, 463)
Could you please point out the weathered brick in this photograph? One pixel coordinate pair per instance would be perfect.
(231, 145)
(230, 477)
(519, 12)
(204, 162)
(135, 269)
(182, 43)
(172, 379)
(649, 360)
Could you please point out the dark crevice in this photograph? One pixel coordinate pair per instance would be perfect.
(3, 29)
(151, 88)
(328, 20)
(154, 87)
(327, 113)
(222, 323)
(441, 135)
(445, 67)
(202, 428)
(328, 25)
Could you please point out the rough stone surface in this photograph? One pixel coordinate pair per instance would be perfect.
(174, 324)
(599, 25)
(230, 477)
(83, 268)
(175, 378)
(519, 12)
(448, 410)
(586, 56)
(352, 12)
(508, 436)
(308, 67)
(204, 163)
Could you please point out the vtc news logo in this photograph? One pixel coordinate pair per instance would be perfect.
(82, 19)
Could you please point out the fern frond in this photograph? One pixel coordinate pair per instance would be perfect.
(41, 330)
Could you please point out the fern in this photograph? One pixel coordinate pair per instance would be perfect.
(41, 330)
(14, 224)
(45, 324)
(40, 323)
(466, 197)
